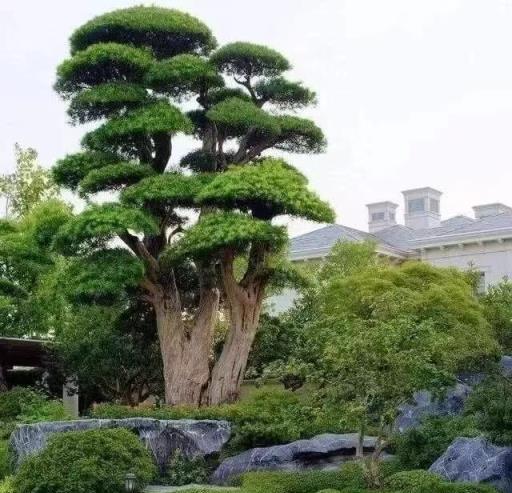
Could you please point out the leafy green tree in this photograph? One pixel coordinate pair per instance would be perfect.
(137, 70)
(25, 261)
(373, 367)
(29, 185)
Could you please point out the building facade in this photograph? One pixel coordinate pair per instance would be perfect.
(482, 242)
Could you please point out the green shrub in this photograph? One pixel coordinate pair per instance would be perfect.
(491, 405)
(16, 401)
(418, 448)
(5, 467)
(84, 462)
(266, 417)
(7, 485)
(292, 482)
(391, 466)
(417, 481)
(352, 475)
(329, 490)
(26, 405)
(182, 471)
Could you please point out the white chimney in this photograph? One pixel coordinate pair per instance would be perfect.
(487, 210)
(381, 215)
(422, 209)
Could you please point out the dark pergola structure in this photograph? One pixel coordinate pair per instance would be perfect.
(22, 352)
(33, 353)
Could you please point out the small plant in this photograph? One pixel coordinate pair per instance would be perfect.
(182, 470)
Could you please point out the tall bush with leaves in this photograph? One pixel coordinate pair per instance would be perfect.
(29, 185)
(150, 74)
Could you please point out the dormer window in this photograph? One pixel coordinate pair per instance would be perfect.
(434, 206)
(416, 205)
(378, 216)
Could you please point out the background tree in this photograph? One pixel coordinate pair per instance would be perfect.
(25, 261)
(112, 351)
(29, 185)
(132, 68)
(443, 297)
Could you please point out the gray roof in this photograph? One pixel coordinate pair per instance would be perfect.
(402, 238)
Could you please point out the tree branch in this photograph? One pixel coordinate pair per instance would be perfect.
(138, 247)
(163, 151)
(229, 282)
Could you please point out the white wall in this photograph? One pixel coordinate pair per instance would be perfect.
(495, 259)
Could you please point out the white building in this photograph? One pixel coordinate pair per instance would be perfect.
(483, 243)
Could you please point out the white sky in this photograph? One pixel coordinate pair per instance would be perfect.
(411, 92)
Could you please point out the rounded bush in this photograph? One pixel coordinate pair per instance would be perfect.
(85, 462)
(414, 481)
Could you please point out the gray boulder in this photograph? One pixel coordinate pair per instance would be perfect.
(326, 451)
(162, 437)
(478, 461)
(452, 404)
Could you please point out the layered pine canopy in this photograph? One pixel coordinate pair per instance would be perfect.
(147, 74)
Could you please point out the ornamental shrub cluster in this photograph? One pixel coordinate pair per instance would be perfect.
(93, 461)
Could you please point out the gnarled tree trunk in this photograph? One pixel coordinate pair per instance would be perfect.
(228, 372)
(245, 301)
(185, 349)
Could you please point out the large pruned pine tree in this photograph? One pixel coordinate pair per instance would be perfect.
(148, 74)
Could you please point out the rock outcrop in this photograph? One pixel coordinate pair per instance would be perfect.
(192, 437)
(321, 452)
(478, 461)
(425, 404)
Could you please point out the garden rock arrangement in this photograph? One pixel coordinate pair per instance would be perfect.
(476, 460)
(325, 451)
(192, 437)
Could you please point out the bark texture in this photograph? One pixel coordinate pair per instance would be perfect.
(185, 347)
(244, 300)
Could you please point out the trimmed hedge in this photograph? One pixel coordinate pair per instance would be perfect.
(293, 482)
(417, 480)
